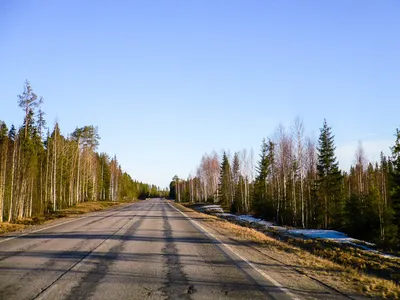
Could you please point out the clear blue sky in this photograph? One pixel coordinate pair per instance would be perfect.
(166, 81)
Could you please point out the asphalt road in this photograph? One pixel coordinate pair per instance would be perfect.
(147, 250)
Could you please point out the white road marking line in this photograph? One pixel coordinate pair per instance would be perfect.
(21, 235)
(261, 272)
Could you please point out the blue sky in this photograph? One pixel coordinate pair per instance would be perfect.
(166, 81)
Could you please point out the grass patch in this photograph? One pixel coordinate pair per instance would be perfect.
(10, 227)
(346, 255)
(86, 207)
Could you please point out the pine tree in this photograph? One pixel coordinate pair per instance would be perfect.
(28, 101)
(329, 181)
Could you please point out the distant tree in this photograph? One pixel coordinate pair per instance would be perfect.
(236, 203)
(177, 188)
(28, 101)
(395, 181)
(329, 180)
(285, 177)
(208, 173)
(172, 188)
(12, 133)
(3, 165)
(310, 189)
(40, 121)
(298, 132)
(261, 204)
(225, 183)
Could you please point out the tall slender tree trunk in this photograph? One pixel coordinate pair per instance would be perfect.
(41, 186)
(94, 196)
(294, 218)
(55, 172)
(20, 183)
(11, 212)
(27, 198)
(84, 178)
(302, 199)
(20, 211)
(71, 185)
(102, 191)
(31, 200)
(117, 188)
(279, 200)
(78, 173)
(61, 188)
(326, 211)
(3, 170)
(46, 180)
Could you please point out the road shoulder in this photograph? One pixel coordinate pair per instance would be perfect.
(312, 277)
(20, 230)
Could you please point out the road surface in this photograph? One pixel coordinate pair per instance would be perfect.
(145, 250)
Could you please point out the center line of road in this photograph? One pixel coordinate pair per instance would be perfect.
(261, 272)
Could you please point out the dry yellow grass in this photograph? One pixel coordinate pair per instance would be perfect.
(348, 278)
(78, 209)
(86, 207)
(10, 227)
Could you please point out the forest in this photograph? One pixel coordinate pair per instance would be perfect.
(42, 170)
(297, 182)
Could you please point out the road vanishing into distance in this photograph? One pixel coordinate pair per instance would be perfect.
(144, 250)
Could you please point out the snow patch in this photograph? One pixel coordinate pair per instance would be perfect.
(212, 208)
(320, 234)
(330, 235)
(225, 215)
(339, 237)
(253, 220)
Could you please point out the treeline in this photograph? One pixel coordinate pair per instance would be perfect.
(297, 182)
(42, 171)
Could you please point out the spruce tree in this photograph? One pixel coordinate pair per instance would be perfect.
(40, 121)
(395, 183)
(12, 133)
(225, 183)
(329, 181)
(261, 204)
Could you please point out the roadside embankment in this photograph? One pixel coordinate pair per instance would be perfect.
(341, 266)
